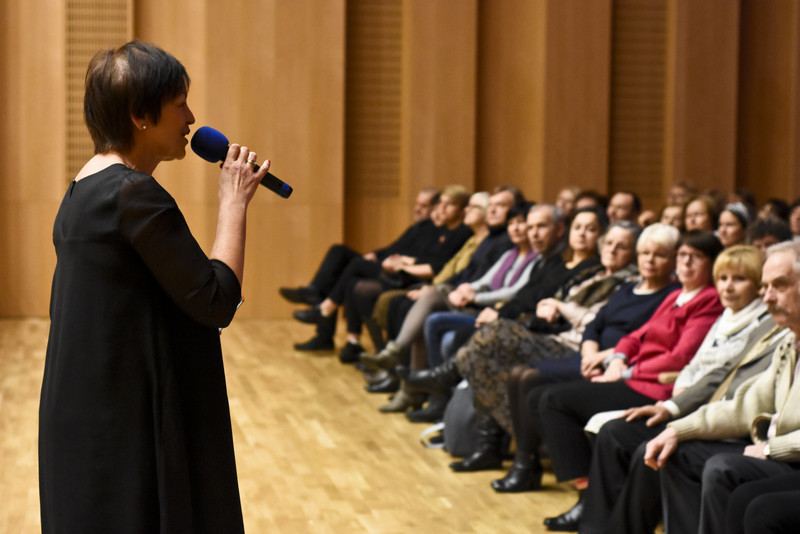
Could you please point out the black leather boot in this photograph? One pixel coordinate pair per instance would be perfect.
(431, 413)
(489, 453)
(570, 520)
(439, 380)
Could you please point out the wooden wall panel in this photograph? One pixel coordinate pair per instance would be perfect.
(701, 94)
(638, 100)
(32, 148)
(543, 95)
(768, 155)
(436, 112)
(268, 75)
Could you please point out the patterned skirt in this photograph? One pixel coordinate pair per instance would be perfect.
(496, 348)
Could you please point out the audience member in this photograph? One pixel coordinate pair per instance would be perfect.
(338, 256)
(546, 225)
(733, 222)
(623, 494)
(424, 202)
(632, 373)
(672, 214)
(496, 346)
(565, 201)
(680, 193)
(627, 309)
(763, 233)
(774, 208)
(499, 283)
(624, 205)
(704, 456)
(700, 214)
(794, 219)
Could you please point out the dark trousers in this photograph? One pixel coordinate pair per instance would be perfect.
(722, 474)
(681, 482)
(332, 267)
(566, 408)
(768, 506)
(528, 423)
(624, 495)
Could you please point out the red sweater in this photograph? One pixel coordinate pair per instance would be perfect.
(668, 340)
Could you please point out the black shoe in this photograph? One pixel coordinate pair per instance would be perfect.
(478, 461)
(389, 385)
(520, 478)
(309, 316)
(433, 412)
(350, 352)
(439, 380)
(569, 521)
(301, 295)
(315, 343)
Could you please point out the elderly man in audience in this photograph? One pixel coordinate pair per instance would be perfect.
(623, 494)
(706, 455)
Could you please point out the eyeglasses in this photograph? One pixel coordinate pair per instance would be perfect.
(690, 256)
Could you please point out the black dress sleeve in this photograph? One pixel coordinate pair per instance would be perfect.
(206, 290)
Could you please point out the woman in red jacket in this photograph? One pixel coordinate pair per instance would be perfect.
(634, 373)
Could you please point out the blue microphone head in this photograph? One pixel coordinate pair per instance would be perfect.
(210, 144)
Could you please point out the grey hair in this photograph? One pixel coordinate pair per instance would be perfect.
(792, 247)
(482, 197)
(660, 234)
(558, 214)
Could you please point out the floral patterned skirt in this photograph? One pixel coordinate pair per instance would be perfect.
(496, 348)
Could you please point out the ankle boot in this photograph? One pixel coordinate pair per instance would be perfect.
(488, 454)
(432, 412)
(439, 380)
(402, 401)
(521, 477)
(387, 358)
(570, 520)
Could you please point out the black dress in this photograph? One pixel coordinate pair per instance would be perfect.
(134, 426)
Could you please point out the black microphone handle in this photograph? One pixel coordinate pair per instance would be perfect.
(274, 184)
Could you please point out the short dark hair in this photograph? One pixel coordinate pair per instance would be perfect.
(705, 242)
(598, 198)
(636, 202)
(134, 80)
(514, 190)
(764, 227)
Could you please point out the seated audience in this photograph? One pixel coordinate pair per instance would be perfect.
(627, 309)
(499, 283)
(706, 455)
(623, 494)
(632, 373)
(338, 256)
(432, 246)
(491, 351)
(545, 227)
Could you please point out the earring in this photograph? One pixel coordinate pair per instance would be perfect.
(144, 126)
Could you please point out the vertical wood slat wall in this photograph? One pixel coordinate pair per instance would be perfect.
(490, 92)
(638, 79)
(91, 25)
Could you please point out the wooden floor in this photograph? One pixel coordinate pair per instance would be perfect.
(313, 452)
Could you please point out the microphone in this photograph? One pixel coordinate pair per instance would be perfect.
(212, 146)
